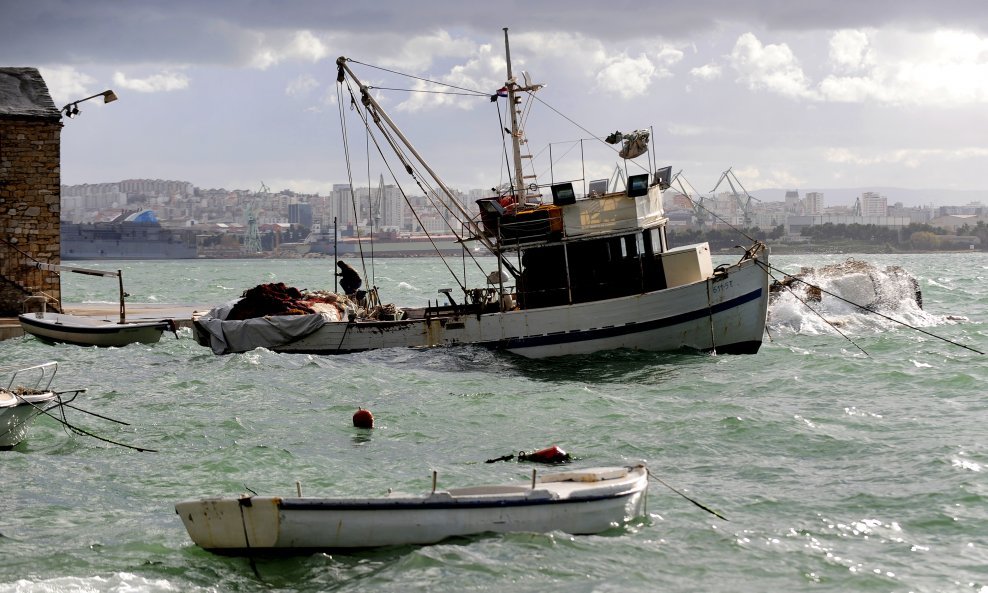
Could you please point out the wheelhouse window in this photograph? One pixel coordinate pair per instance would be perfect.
(596, 269)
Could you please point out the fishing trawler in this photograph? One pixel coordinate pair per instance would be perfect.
(573, 272)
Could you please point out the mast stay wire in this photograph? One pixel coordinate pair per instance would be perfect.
(370, 210)
(405, 74)
(594, 136)
(409, 168)
(349, 170)
(429, 191)
(380, 114)
(473, 92)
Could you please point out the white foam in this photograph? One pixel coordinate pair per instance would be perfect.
(121, 582)
(890, 296)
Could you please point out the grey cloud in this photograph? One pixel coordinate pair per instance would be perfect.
(191, 31)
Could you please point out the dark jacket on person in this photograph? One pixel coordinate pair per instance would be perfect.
(349, 278)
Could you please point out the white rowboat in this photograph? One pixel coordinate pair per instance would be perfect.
(583, 501)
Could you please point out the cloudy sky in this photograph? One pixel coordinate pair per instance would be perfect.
(789, 93)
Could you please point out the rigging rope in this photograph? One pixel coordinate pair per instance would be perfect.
(370, 210)
(702, 506)
(594, 136)
(349, 169)
(471, 91)
(504, 146)
(431, 194)
(65, 423)
(409, 169)
(386, 88)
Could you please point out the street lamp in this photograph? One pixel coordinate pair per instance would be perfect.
(72, 109)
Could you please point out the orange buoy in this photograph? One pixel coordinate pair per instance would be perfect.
(363, 418)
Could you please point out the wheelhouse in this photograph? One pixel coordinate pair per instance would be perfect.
(600, 246)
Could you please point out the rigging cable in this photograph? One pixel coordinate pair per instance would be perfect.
(504, 147)
(386, 88)
(768, 268)
(349, 168)
(391, 171)
(65, 423)
(430, 193)
(471, 91)
(702, 506)
(595, 137)
(370, 210)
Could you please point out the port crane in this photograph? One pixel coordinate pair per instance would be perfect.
(743, 201)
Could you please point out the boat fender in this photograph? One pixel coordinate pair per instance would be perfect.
(551, 454)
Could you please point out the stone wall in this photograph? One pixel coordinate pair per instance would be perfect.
(29, 209)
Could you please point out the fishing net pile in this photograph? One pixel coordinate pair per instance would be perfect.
(271, 299)
(278, 299)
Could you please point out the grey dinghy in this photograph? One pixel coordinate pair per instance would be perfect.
(80, 330)
(581, 501)
(89, 331)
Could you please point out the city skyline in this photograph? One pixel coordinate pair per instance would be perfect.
(882, 95)
(385, 208)
(837, 197)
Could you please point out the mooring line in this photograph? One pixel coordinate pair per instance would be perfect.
(78, 430)
(702, 506)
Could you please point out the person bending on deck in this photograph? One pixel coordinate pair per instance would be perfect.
(349, 279)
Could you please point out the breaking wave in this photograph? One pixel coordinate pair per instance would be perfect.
(852, 296)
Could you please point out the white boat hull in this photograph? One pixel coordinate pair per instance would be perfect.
(268, 524)
(725, 313)
(88, 331)
(17, 412)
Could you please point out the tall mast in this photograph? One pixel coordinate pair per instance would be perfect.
(519, 181)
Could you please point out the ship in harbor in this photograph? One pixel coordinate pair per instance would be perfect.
(135, 235)
(379, 244)
(140, 236)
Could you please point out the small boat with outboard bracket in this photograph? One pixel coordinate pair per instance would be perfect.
(53, 327)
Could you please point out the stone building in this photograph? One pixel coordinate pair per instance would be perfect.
(30, 140)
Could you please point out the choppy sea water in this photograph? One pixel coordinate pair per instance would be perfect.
(843, 463)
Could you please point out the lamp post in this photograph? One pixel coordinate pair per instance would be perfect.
(72, 109)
